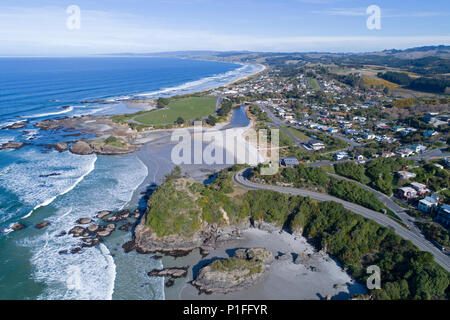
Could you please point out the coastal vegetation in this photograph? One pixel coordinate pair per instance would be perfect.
(318, 179)
(354, 241)
(421, 84)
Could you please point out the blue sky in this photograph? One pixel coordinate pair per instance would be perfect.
(38, 27)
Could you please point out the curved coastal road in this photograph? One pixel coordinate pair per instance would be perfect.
(441, 258)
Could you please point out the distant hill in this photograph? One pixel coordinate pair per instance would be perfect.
(441, 51)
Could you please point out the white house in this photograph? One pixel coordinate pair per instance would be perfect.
(427, 204)
(341, 155)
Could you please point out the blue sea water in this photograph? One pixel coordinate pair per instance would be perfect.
(38, 184)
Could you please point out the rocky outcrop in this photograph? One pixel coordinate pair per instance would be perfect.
(12, 145)
(118, 216)
(17, 226)
(247, 267)
(84, 220)
(169, 272)
(81, 148)
(77, 231)
(85, 147)
(42, 225)
(61, 146)
(17, 125)
(93, 228)
(146, 241)
(102, 214)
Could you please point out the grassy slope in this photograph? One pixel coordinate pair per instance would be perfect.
(187, 108)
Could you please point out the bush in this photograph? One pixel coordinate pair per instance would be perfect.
(352, 170)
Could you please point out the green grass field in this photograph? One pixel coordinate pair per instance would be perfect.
(187, 108)
(313, 83)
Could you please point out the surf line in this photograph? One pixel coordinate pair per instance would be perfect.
(49, 201)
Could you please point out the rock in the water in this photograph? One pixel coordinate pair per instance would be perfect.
(42, 225)
(75, 250)
(93, 228)
(77, 231)
(81, 148)
(12, 145)
(61, 146)
(90, 242)
(104, 233)
(17, 125)
(129, 246)
(169, 283)
(84, 221)
(17, 226)
(61, 234)
(126, 226)
(169, 272)
(102, 214)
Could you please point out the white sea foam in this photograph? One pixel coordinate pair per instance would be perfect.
(91, 273)
(70, 188)
(28, 176)
(215, 80)
(41, 115)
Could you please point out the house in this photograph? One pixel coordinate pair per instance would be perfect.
(418, 148)
(369, 136)
(443, 215)
(420, 188)
(405, 152)
(439, 166)
(332, 130)
(430, 117)
(407, 193)
(315, 145)
(359, 157)
(289, 162)
(341, 155)
(427, 204)
(406, 175)
(387, 154)
(429, 133)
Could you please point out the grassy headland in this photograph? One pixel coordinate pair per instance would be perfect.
(354, 241)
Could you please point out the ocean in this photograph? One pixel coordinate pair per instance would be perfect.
(38, 184)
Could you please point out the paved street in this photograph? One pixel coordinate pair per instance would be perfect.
(381, 219)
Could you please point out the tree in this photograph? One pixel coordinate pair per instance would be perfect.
(211, 120)
(163, 102)
(180, 120)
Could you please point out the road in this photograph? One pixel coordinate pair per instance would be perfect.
(424, 245)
